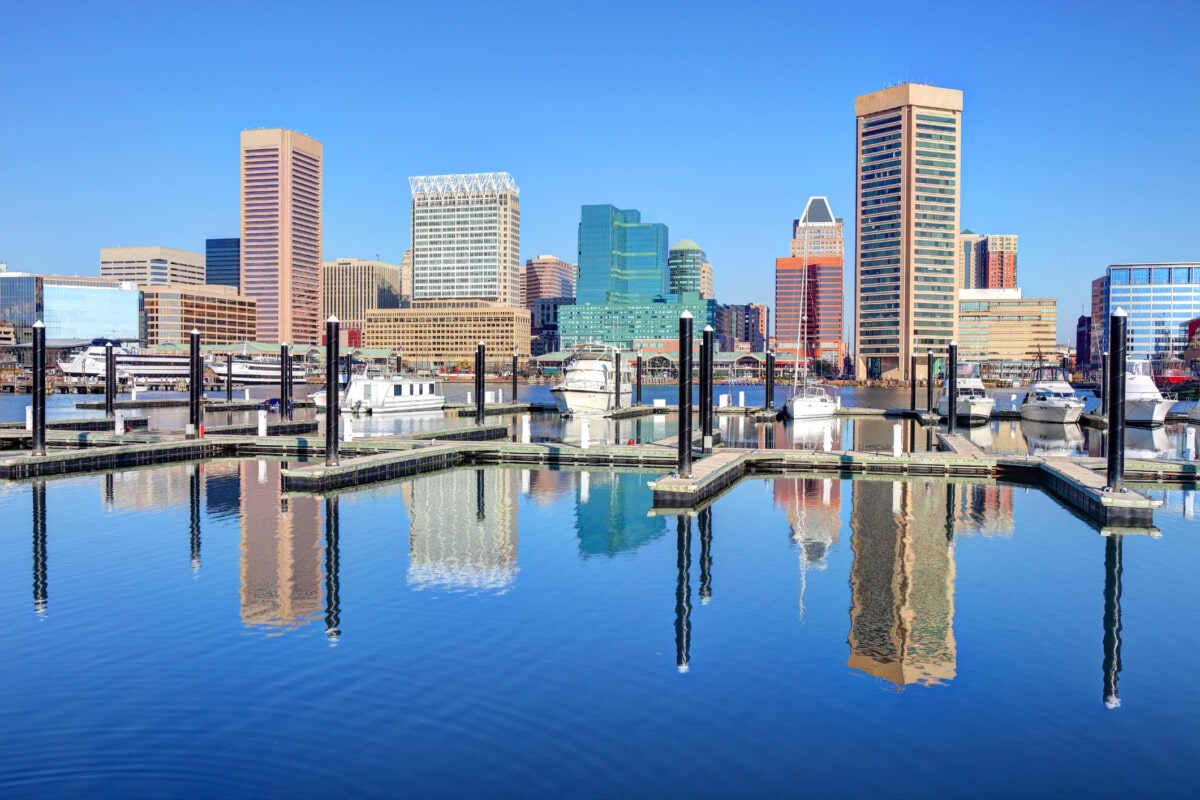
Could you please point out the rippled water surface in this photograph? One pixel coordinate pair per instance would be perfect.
(185, 631)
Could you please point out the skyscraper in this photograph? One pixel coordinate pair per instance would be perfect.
(622, 260)
(810, 280)
(968, 242)
(685, 268)
(546, 277)
(466, 235)
(281, 233)
(996, 262)
(223, 262)
(907, 214)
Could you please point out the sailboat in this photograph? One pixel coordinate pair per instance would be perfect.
(809, 400)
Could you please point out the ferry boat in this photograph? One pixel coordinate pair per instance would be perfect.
(256, 370)
(971, 403)
(589, 381)
(386, 394)
(1051, 398)
(132, 363)
(1144, 403)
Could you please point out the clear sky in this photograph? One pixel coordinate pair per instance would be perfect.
(119, 121)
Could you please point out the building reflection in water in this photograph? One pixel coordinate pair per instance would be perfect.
(610, 515)
(902, 582)
(281, 551)
(985, 508)
(463, 529)
(813, 510)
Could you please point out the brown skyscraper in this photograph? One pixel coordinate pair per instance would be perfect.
(281, 233)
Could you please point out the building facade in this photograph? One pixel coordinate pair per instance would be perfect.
(996, 262)
(152, 265)
(466, 237)
(1160, 299)
(219, 313)
(686, 269)
(223, 262)
(967, 243)
(352, 286)
(907, 214)
(546, 277)
(1099, 318)
(281, 229)
(622, 260)
(444, 333)
(621, 325)
(1005, 333)
(808, 287)
(1083, 344)
(70, 307)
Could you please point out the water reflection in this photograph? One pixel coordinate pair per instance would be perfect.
(683, 592)
(463, 530)
(1112, 620)
(902, 583)
(194, 509)
(333, 630)
(812, 507)
(610, 515)
(40, 591)
(1053, 440)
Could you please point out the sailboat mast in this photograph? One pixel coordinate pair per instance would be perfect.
(800, 322)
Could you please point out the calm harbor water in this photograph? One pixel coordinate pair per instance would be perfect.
(187, 631)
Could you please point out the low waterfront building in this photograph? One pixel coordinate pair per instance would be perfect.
(620, 325)
(445, 333)
(1005, 333)
(152, 265)
(219, 313)
(71, 307)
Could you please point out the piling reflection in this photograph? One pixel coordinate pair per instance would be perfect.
(683, 592)
(194, 509)
(1112, 620)
(333, 630)
(902, 584)
(463, 529)
(704, 523)
(40, 593)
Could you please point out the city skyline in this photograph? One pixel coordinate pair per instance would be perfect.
(1051, 144)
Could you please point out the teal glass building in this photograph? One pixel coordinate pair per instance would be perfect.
(685, 262)
(624, 291)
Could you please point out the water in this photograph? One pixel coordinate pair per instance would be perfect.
(183, 631)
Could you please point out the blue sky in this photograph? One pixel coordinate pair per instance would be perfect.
(119, 122)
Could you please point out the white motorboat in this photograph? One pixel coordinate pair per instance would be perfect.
(589, 384)
(132, 364)
(971, 402)
(1144, 403)
(1051, 398)
(388, 394)
(1052, 439)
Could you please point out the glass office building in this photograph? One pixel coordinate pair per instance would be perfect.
(69, 307)
(621, 325)
(622, 260)
(1159, 299)
(223, 262)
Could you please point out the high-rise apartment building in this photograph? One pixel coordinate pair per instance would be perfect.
(223, 262)
(466, 237)
(281, 233)
(686, 264)
(406, 275)
(1099, 318)
(808, 286)
(352, 286)
(546, 277)
(146, 266)
(907, 213)
(966, 251)
(996, 262)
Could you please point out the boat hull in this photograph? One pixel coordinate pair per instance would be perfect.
(1054, 413)
(1147, 412)
(810, 408)
(587, 401)
(974, 410)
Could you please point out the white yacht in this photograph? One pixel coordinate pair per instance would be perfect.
(1051, 398)
(390, 394)
(589, 381)
(971, 403)
(132, 364)
(1144, 403)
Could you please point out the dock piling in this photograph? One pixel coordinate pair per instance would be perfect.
(769, 402)
(1117, 328)
(285, 381)
(912, 382)
(514, 375)
(1104, 384)
(685, 394)
(332, 395)
(929, 381)
(638, 399)
(617, 376)
(195, 382)
(229, 377)
(706, 388)
(39, 389)
(952, 390)
(480, 365)
(110, 378)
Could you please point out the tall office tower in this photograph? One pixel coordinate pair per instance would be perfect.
(758, 326)
(686, 264)
(808, 286)
(466, 235)
(1099, 319)
(546, 277)
(281, 233)
(352, 286)
(151, 265)
(907, 215)
(965, 253)
(622, 260)
(1160, 300)
(223, 262)
(996, 262)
